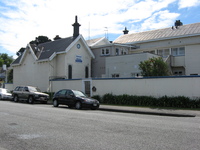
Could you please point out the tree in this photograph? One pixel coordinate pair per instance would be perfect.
(57, 37)
(154, 67)
(40, 39)
(5, 59)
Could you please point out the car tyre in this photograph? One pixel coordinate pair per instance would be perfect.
(78, 105)
(55, 103)
(16, 99)
(30, 100)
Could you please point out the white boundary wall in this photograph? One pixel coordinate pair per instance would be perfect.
(188, 86)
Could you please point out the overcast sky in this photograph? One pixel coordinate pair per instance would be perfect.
(23, 20)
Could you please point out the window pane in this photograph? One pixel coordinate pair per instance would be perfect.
(160, 52)
(117, 51)
(107, 51)
(174, 51)
(182, 51)
(166, 52)
(102, 52)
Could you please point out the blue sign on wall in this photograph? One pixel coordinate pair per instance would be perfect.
(78, 59)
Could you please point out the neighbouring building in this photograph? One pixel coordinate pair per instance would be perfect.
(178, 45)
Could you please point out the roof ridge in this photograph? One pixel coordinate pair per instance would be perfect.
(165, 28)
(184, 30)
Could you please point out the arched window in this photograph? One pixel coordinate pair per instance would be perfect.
(86, 72)
(70, 72)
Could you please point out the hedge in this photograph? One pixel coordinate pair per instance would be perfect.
(149, 101)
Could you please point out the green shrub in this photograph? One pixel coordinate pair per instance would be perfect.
(97, 97)
(149, 101)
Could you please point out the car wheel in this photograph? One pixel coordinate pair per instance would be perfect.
(78, 105)
(30, 100)
(0, 97)
(55, 103)
(15, 98)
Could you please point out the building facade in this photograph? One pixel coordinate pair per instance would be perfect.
(67, 58)
(73, 57)
(179, 46)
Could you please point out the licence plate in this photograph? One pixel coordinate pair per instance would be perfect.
(94, 104)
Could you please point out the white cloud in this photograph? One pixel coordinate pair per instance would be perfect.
(159, 20)
(23, 20)
(188, 3)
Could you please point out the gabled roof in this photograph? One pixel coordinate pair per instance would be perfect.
(97, 41)
(47, 51)
(93, 41)
(160, 34)
(17, 61)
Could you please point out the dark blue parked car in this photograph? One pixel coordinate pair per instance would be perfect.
(74, 98)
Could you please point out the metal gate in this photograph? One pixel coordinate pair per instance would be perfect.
(87, 87)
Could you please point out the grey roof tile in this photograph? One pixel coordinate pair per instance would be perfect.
(47, 49)
(17, 61)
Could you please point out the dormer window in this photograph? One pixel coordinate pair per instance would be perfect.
(105, 51)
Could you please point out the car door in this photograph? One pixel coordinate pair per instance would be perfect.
(19, 92)
(62, 97)
(70, 97)
(25, 93)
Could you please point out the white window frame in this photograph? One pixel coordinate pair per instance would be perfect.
(163, 52)
(178, 51)
(105, 51)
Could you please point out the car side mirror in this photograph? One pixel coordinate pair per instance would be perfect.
(71, 95)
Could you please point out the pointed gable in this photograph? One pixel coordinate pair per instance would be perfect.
(97, 41)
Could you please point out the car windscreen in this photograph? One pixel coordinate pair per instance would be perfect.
(79, 94)
(34, 89)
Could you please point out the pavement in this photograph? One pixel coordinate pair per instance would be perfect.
(151, 111)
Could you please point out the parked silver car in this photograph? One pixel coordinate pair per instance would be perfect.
(5, 94)
(29, 94)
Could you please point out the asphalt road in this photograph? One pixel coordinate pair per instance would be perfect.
(36, 127)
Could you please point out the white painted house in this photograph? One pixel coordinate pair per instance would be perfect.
(67, 58)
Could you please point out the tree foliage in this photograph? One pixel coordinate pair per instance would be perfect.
(57, 37)
(154, 67)
(5, 59)
(40, 39)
